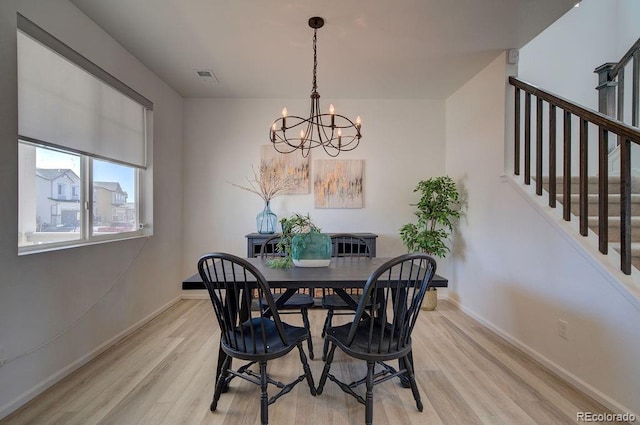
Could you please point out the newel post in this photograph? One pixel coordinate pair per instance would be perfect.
(606, 94)
(606, 90)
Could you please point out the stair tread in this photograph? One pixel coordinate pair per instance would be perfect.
(635, 219)
(615, 197)
(576, 179)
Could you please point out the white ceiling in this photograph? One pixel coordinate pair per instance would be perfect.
(373, 49)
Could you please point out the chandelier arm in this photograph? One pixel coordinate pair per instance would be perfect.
(322, 127)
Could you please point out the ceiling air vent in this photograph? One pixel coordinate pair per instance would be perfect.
(207, 75)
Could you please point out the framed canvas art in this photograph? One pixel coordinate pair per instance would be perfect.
(338, 183)
(293, 164)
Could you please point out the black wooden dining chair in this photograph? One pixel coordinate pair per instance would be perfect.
(245, 334)
(381, 330)
(342, 245)
(300, 302)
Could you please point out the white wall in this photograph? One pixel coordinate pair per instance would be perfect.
(516, 269)
(627, 31)
(403, 142)
(563, 57)
(58, 309)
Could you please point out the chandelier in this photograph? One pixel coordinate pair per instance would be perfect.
(333, 132)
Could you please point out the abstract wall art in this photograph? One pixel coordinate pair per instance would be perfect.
(338, 183)
(291, 164)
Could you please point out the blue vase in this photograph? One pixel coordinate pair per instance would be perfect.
(266, 220)
(311, 249)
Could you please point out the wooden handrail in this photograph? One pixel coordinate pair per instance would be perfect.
(613, 73)
(595, 117)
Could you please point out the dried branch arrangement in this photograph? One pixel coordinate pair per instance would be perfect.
(268, 182)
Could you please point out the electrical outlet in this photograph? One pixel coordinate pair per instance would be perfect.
(563, 329)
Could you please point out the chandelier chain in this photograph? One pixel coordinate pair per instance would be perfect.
(315, 61)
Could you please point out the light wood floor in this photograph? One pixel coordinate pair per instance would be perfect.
(163, 375)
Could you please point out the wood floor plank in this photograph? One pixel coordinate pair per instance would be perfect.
(163, 374)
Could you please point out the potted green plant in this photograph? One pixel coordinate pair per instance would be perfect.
(437, 211)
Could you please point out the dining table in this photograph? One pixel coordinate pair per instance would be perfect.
(341, 274)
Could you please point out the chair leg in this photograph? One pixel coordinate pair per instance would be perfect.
(325, 371)
(327, 325)
(307, 370)
(368, 407)
(414, 387)
(264, 399)
(325, 348)
(307, 326)
(220, 384)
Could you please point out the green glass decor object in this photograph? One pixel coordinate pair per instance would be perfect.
(311, 249)
(266, 220)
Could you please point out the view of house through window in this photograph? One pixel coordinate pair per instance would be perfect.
(114, 198)
(48, 210)
(51, 206)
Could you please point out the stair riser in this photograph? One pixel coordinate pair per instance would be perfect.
(614, 208)
(614, 233)
(613, 186)
(591, 188)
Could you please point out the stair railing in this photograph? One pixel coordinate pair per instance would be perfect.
(612, 89)
(546, 141)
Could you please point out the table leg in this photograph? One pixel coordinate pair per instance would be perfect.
(288, 293)
(346, 298)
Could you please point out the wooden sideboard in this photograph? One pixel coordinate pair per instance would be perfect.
(255, 240)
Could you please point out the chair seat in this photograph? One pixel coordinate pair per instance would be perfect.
(296, 302)
(333, 301)
(270, 339)
(366, 347)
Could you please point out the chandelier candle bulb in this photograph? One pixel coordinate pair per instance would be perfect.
(333, 117)
(339, 138)
(284, 118)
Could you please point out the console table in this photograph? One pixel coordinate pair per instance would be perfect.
(255, 240)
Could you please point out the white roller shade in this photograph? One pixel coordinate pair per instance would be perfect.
(64, 105)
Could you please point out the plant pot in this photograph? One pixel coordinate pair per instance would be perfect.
(311, 249)
(430, 300)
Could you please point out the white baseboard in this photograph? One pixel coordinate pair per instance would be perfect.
(37, 389)
(561, 372)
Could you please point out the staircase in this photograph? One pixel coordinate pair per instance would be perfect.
(614, 210)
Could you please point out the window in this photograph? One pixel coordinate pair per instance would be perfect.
(82, 149)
